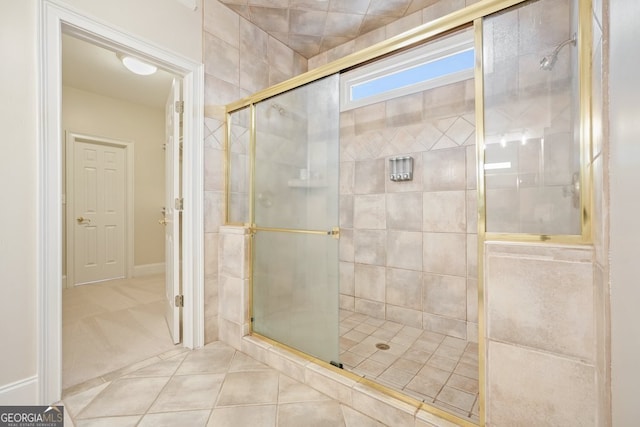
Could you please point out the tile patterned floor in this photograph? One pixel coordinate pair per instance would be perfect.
(212, 386)
(121, 369)
(112, 324)
(431, 367)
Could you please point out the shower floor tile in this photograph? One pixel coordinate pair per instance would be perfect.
(431, 367)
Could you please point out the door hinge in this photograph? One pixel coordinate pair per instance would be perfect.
(179, 302)
(179, 204)
(179, 107)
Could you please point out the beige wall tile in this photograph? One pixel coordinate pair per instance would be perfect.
(405, 110)
(233, 305)
(445, 296)
(346, 245)
(445, 253)
(472, 299)
(370, 212)
(472, 255)
(347, 302)
(370, 308)
(404, 250)
(472, 167)
(221, 22)
(404, 288)
(381, 407)
(370, 282)
(330, 383)
(254, 74)
(541, 303)
(369, 118)
(369, 177)
(563, 387)
(444, 211)
(445, 170)
(232, 257)
(472, 211)
(347, 276)
(214, 208)
(254, 42)
(404, 211)
(370, 247)
(404, 315)
(211, 254)
(347, 174)
(445, 325)
(221, 59)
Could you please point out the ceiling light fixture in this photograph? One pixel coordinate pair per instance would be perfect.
(136, 65)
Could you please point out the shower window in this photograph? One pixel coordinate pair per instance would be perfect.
(443, 62)
(531, 118)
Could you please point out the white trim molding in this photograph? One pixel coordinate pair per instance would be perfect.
(56, 18)
(22, 392)
(148, 269)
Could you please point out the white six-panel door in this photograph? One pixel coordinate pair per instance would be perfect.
(99, 212)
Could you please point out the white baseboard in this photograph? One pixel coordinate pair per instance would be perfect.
(23, 392)
(148, 269)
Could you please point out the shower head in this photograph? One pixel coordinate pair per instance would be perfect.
(549, 61)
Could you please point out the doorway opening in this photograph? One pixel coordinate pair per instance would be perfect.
(56, 21)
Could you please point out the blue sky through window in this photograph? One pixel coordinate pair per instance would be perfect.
(428, 71)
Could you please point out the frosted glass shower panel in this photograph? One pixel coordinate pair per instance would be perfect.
(295, 293)
(238, 164)
(296, 170)
(532, 146)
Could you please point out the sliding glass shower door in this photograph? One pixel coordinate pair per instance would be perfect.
(295, 204)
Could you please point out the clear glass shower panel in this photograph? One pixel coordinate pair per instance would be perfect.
(531, 105)
(296, 172)
(238, 164)
(295, 291)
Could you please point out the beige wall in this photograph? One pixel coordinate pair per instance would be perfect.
(19, 166)
(18, 186)
(167, 23)
(96, 115)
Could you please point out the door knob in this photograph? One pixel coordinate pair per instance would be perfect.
(163, 221)
(82, 219)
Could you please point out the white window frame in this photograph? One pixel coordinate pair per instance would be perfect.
(420, 55)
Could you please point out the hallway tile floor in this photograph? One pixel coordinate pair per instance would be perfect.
(212, 386)
(431, 367)
(111, 324)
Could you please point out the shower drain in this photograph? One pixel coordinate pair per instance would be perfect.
(382, 346)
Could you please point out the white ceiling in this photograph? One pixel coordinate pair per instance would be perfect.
(94, 69)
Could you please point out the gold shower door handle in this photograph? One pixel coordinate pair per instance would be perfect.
(82, 220)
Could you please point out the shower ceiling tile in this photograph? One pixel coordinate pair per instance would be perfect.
(310, 27)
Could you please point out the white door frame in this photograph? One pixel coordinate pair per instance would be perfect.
(128, 146)
(53, 18)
